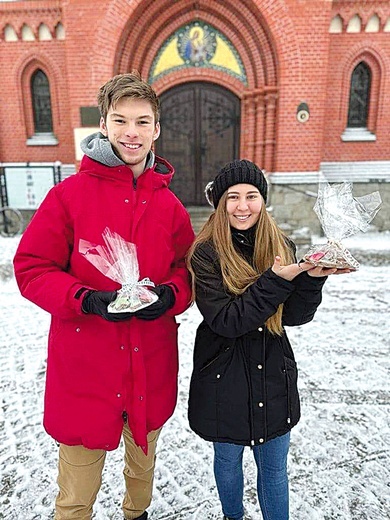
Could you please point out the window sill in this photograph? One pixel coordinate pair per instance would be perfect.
(42, 140)
(357, 134)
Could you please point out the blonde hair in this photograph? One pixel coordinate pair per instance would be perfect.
(237, 273)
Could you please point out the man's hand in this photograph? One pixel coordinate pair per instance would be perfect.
(166, 300)
(96, 302)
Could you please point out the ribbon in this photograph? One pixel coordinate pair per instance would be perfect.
(128, 287)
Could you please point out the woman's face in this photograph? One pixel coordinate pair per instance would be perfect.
(243, 205)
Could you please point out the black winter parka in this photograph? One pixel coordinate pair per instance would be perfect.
(244, 383)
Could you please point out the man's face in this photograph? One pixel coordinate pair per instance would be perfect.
(131, 130)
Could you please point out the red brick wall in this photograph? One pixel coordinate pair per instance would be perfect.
(90, 50)
(19, 60)
(285, 46)
(345, 52)
(299, 145)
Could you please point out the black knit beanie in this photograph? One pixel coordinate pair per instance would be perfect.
(236, 172)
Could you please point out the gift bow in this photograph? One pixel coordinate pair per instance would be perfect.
(128, 287)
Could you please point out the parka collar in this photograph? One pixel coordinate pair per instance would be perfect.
(158, 175)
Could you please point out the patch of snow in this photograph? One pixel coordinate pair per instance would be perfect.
(339, 461)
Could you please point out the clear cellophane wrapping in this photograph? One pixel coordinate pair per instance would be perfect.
(341, 215)
(117, 259)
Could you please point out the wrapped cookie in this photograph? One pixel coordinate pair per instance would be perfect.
(341, 215)
(117, 259)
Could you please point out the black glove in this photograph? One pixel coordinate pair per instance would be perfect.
(166, 300)
(96, 302)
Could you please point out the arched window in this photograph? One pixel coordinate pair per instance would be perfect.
(60, 31)
(10, 34)
(359, 96)
(354, 24)
(44, 33)
(40, 95)
(336, 25)
(373, 24)
(27, 33)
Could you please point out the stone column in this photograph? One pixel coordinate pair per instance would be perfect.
(248, 125)
(260, 129)
(270, 129)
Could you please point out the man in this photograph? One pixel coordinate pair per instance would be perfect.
(109, 374)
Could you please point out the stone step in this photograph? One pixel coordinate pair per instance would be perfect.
(199, 215)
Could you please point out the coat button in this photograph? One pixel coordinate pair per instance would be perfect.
(260, 329)
(218, 376)
(144, 202)
(122, 347)
(126, 201)
(135, 349)
(288, 420)
(78, 329)
(261, 440)
(261, 405)
(260, 367)
(118, 395)
(141, 397)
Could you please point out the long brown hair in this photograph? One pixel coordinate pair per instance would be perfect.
(237, 273)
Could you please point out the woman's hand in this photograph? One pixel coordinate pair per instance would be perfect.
(318, 271)
(289, 272)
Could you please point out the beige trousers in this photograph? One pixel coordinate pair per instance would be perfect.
(80, 478)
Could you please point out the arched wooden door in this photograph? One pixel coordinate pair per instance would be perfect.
(200, 126)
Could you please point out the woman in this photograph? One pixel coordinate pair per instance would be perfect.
(247, 286)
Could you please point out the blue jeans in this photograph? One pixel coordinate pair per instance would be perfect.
(272, 480)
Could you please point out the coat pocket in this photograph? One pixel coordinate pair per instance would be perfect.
(293, 404)
(217, 362)
(212, 352)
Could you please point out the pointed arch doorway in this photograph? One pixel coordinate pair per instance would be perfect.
(200, 127)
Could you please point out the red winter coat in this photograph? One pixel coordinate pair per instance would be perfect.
(96, 369)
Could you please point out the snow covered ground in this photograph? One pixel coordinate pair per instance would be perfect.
(339, 460)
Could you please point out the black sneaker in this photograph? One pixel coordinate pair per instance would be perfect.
(144, 516)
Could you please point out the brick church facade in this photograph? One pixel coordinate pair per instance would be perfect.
(298, 86)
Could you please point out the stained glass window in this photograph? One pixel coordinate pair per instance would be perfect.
(40, 93)
(359, 96)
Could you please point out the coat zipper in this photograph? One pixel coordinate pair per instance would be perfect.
(288, 393)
